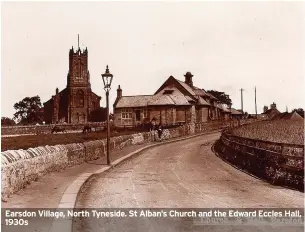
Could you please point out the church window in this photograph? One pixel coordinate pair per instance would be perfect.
(80, 98)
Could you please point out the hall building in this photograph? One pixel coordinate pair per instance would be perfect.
(173, 103)
(76, 103)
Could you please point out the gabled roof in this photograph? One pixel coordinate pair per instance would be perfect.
(223, 108)
(95, 95)
(187, 87)
(235, 112)
(59, 94)
(203, 102)
(199, 92)
(133, 101)
(292, 116)
(174, 98)
(272, 111)
(195, 93)
(204, 93)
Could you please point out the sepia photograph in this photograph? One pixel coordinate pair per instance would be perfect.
(152, 116)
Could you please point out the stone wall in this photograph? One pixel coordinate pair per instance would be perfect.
(278, 163)
(33, 129)
(20, 167)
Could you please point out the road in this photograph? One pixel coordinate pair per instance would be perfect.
(185, 174)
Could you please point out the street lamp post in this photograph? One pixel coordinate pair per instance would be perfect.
(107, 79)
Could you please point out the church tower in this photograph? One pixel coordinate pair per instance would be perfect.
(78, 86)
(76, 103)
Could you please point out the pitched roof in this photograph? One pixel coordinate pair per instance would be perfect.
(292, 115)
(58, 94)
(133, 101)
(209, 95)
(234, 111)
(175, 97)
(200, 92)
(272, 111)
(195, 91)
(95, 95)
(203, 102)
(187, 87)
(223, 108)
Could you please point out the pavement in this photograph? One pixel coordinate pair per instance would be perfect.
(48, 190)
(185, 174)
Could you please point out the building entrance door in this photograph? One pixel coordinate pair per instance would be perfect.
(138, 115)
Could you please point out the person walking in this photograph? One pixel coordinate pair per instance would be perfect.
(160, 130)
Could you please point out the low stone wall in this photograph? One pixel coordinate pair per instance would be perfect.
(278, 163)
(33, 129)
(20, 167)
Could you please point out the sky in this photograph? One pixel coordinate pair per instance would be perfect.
(226, 45)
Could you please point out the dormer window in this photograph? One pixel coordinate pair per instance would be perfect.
(168, 91)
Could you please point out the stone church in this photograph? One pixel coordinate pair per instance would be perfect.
(76, 103)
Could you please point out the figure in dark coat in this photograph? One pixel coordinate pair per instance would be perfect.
(160, 130)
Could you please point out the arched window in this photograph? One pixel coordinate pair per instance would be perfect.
(80, 98)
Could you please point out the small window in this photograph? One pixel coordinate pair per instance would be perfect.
(126, 113)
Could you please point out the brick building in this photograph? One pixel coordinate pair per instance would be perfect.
(76, 103)
(272, 112)
(174, 102)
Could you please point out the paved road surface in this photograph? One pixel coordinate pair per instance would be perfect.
(184, 174)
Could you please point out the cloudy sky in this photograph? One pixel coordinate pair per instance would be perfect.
(226, 45)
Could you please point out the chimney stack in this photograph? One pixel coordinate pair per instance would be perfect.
(119, 92)
(56, 91)
(188, 79)
(265, 108)
(273, 106)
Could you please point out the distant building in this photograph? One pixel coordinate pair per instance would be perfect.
(76, 103)
(288, 116)
(272, 112)
(236, 114)
(174, 102)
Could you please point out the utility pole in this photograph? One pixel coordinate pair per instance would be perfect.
(255, 104)
(242, 104)
(78, 40)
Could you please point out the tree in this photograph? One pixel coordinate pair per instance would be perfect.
(222, 97)
(300, 111)
(28, 110)
(5, 121)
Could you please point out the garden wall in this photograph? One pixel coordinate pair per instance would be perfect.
(34, 129)
(20, 167)
(278, 163)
